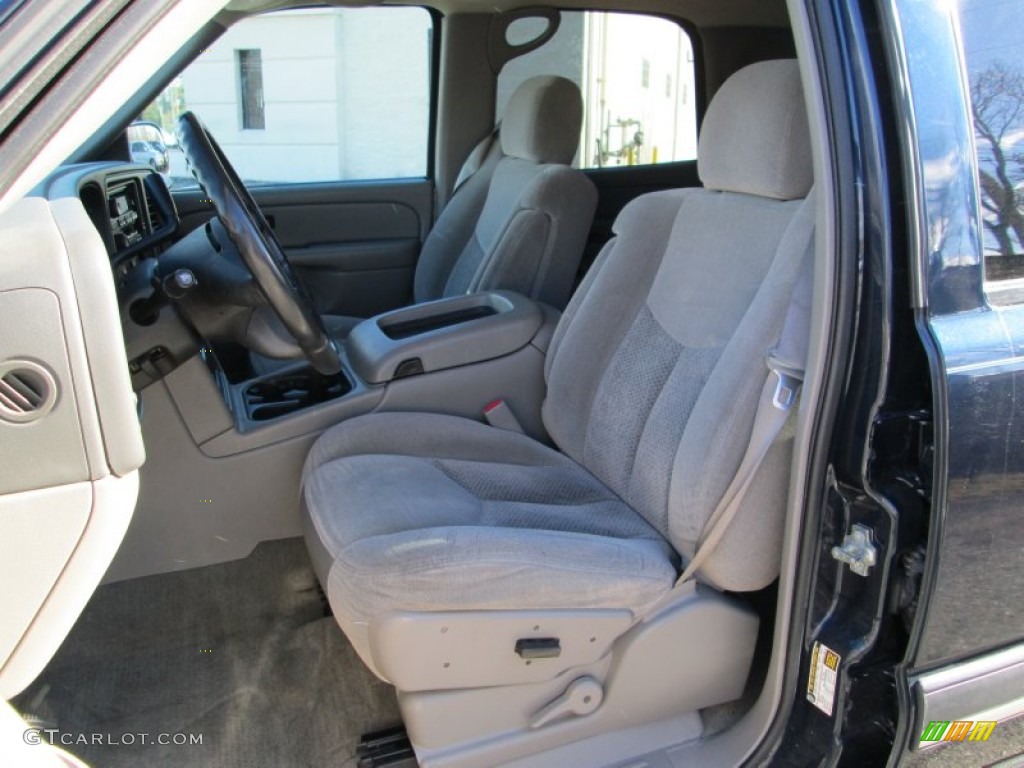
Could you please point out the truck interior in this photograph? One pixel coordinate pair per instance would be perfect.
(502, 464)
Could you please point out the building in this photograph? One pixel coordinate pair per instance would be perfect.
(309, 95)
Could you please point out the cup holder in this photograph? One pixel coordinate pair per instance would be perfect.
(292, 391)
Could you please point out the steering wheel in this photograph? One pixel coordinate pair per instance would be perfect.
(257, 245)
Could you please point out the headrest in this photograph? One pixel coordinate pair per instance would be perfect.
(754, 138)
(542, 120)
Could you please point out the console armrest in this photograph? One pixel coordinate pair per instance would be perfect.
(442, 334)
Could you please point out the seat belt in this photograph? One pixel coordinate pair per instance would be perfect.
(780, 393)
(781, 390)
(476, 158)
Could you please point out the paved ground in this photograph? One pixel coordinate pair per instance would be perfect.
(1005, 291)
(1005, 748)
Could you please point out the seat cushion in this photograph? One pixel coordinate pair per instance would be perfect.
(422, 512)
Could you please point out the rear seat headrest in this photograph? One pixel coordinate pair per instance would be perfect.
(755, 138)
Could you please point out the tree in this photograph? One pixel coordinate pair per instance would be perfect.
(997, 103)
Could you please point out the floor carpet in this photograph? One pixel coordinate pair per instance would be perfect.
(239, 653)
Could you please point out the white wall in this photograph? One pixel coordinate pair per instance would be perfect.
(346, 94)
(384, 110)
(617, 45)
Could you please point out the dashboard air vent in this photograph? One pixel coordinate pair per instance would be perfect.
(156, 219)
(27, 392)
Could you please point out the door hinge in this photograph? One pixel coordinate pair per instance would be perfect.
(857, 550)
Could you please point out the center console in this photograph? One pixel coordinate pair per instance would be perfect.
(450, 356)
(441, 335)
(295, 390)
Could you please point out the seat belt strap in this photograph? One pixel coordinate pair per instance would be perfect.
(476, 158)
(778, 396)
(780, 393)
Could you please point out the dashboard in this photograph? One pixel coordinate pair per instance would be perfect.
(128, 220)
(135, 216)
(130, 205)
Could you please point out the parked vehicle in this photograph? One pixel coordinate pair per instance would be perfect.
(150, 154)
(147, 145)
(511, 385)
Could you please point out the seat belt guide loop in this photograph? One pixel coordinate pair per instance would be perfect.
(787, 385)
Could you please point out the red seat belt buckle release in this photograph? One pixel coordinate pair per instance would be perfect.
(498, 414)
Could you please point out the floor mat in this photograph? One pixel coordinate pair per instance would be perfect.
(238, 654)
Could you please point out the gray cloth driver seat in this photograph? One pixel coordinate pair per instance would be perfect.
(653, 378)
(520, 219)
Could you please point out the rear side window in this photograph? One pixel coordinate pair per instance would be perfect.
(994, 50)
(636, 73)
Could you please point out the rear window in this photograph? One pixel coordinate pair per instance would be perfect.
(637, 76)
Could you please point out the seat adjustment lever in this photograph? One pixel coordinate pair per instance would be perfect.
(583, 696)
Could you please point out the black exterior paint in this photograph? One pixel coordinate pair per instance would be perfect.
(975, 553)
(928, 444)
(873, 468)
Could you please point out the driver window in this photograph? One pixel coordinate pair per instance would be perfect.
(304, 96)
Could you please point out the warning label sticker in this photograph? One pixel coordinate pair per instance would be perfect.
(821, 683)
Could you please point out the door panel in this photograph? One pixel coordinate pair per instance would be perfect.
(359, 278)
(973, 594)
(970, 595)
(354, 244)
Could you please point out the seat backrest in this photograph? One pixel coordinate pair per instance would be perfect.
(655, 370)
(521, 220)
